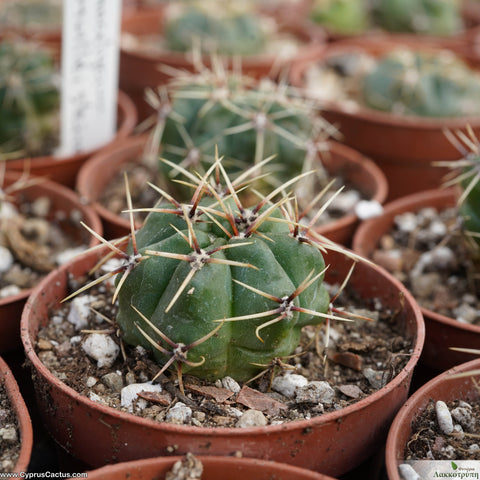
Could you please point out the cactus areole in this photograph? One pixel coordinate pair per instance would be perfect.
(228, 286)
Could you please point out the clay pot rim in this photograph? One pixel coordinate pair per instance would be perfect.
(358, 159)
(403, 204)
(91, 218)
(409, 408)
(208, 460)
(311, 36)
(22, 414)
(128, 121)
(326, 418)
(377, 43)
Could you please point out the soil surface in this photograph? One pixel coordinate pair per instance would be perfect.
(9, 434)
(34, 239)
(428, 252)
(429, 442)
(362, 356)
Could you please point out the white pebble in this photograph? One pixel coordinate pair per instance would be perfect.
(315, 392)
(91, 381)
(366, 209)
(79, 311)
(230, 384)
(407, 472)
(465, 418)
(67, 255)
(8, 210)
(75, 339)
(128, 394)
(179, 413)
(6, 259)
(9, 291)
(101, 348)
(406, 222)
(474, 447)
(444, 418)
(252, 418)
(288, 384)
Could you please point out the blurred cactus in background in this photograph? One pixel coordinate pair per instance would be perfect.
(341, 16)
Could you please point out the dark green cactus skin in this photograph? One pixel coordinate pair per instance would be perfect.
(29, 98)
(435, 17)
(342, 16)
(240, 34)
(424, 84)
(469, 209)
(283, 262)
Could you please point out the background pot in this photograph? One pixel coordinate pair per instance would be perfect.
(64, 170)
(333, 443)
(441, 332)
(23, 417)
(214, 468)
(404, 147)
(343, 161)
(442, 387)
(139, 69)
(62, 200)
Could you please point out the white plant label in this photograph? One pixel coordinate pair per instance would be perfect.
(90, 56)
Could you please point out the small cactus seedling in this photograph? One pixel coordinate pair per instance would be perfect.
(217, 288)
(433, 84)
(221, 27)
(434, 17)
(341, 16)
(29, 98)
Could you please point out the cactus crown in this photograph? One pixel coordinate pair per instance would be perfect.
(223, 28)
(434, 84)
(227, 285)
(29, 98)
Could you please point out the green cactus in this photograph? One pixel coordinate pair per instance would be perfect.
(435, 17)
(247, 121)
(29, 98)
(433, 84)
(341, 16)
(217, 30)
(28, 14)
(215, 266)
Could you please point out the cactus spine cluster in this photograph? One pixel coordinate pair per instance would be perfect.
(433, 84)
(29, 98)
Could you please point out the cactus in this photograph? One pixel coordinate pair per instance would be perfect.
(435, 17)
(229, 286)
(247, 121)
(434, 84)
(36, 14)
(341, 16)
(218, 28)
(29, 98)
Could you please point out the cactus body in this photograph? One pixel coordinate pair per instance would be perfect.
(29, 98)
(425, 84)
(341, 16)
(435, 17)
(280, 263)
(234, 34)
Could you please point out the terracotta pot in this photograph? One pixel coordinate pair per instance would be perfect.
(63, 200)
(64, 170)
(139, 70)
(214, 468)
(441, 332)
(96, 174)
(333, 443)
(23, 418)
(442, 387)
(404, 147)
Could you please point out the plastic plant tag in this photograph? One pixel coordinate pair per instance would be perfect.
(90, 57)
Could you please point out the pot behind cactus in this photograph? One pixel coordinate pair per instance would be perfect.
(403, 145)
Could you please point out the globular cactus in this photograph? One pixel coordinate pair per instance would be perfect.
(29, 98)
(217, 27)
(341, 16)
(231, 285)
(246, 120)
(433, 84)
(435, 17)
